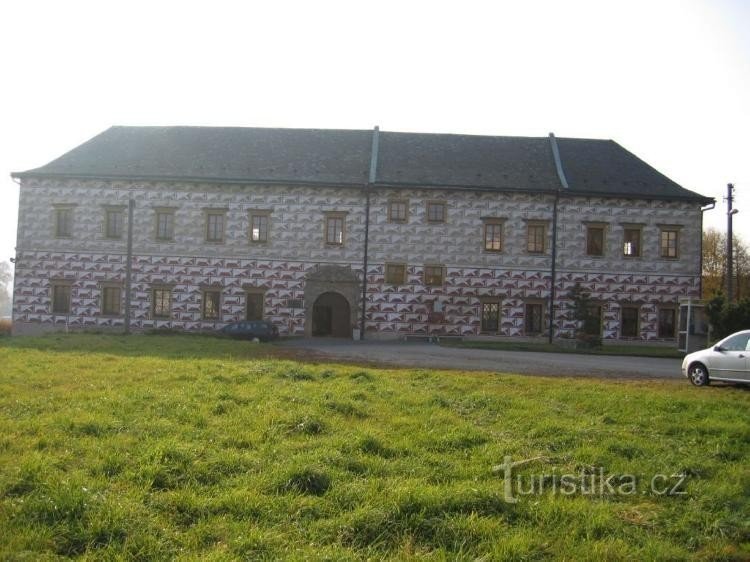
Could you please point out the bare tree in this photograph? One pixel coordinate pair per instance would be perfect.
(715, 264)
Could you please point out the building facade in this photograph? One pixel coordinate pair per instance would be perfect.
(326, 232)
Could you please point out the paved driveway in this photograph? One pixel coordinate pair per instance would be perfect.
(526, 362)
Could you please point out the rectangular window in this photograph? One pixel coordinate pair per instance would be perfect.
(629, 321)
(60, 298)
(435, 211)
(493, 236)
(594, 240)
(254, 306)
(666, 323)
(259, 227)
(533, 318)
(398, 211)
(335, 230)
(395, 273)
(669, 240)
(161, 303)
(111, 301)
(113, 223)
(593, 325)
(165, 225)
(215, 227)
(490, 316)
(536, 234)
(631, 246)
(433, 275)
(211, 309)
(63, 222)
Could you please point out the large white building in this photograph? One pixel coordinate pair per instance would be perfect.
(458, 235)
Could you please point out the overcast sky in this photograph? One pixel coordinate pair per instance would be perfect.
(669, 81)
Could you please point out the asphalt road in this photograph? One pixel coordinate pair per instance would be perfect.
(429, 355)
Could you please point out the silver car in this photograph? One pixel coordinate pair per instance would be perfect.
(728, 360)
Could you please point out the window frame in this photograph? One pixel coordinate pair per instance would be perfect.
(67, 286)
(103, 300)
(167, 212)
(433, 266)
(215, 214)
(602, 227)
(497, 225)
(526, 317)
(669, 229)
(387, 280)
(396, 220)
(118, 231)
(436, 203)
(632, 228)
(533, 225)
(264, 236)
(637, 332)
(659, 333)
(487, 329)
(261, 296)
(334, 216)
(153, 307)
(207, 295)
(66, 210)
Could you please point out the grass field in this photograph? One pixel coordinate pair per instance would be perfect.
(160, 447)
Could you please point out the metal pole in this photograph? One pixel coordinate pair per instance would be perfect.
(129, 265)
(730, 268)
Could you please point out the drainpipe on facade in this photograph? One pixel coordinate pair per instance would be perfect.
(129, 265)
(370, 181)
(553, 268)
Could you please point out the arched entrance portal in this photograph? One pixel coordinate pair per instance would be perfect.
(331, 316)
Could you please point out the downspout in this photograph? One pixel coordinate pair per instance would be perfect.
(129, 265)
(370, 181)
(553, 268)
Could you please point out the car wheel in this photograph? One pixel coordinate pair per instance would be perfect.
(698, 374)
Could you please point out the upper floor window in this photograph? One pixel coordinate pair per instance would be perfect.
(595, 240)
(161, 303)
(111, 301)
(536, 235)
(436, 211)
(60, 298)
(113, 220)
(63, 221)
(670, 238)
(398, 211)
(631, 245)
(211, 304)
(395, 273)
(493, 235)
(334, 226)
(434, 275)
(259, 223)
(165, 224)
(215, 226)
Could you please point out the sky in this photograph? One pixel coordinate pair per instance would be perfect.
(668, 80)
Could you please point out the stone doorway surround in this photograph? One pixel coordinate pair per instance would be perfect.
(332, 279)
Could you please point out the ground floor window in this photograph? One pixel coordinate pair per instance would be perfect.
(533, 318)
(490, 316)
(61, 298)
(254, 306)
(629, 322)
(593, 324)
(111, 299)
(666, 322)
(161, 303)
(211, 305)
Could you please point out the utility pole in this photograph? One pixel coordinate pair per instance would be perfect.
(730, 213)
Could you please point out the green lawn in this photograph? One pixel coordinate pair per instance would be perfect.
(160, 447)
(631, 350)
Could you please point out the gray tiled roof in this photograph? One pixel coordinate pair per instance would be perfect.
(342, 157)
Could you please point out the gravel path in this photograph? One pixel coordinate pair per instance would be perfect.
(532, 363)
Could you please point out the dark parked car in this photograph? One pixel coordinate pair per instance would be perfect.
(254, 330)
